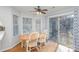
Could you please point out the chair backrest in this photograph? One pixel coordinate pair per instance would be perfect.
(34, 36)
(33, 39)
(24, 37)
(42, 36)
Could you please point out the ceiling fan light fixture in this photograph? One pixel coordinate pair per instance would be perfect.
(38, 13)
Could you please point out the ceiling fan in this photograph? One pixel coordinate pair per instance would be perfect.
(40, 11)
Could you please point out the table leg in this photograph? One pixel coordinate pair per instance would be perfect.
(27, 46)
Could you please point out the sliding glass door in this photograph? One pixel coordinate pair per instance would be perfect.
(66, 28)
(60, 30)
(53, 32)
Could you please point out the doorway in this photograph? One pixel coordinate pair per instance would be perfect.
(53, 32)
(62, 26)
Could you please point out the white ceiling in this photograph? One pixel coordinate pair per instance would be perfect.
(29, 9)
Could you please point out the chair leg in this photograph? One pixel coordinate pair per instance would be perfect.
(22, 44)
(44, 43)
(37, 48)
(27, 49)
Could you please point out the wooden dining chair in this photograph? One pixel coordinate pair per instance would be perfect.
(23, 39)
(33, 41)
(42, 39)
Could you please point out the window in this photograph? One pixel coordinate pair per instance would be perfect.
(38, 25)
(15, 25)
(27, 25)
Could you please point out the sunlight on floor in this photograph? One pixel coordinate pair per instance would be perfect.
(62, 48)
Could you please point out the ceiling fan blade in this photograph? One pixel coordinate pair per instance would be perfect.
(35, 8)
(44, 10)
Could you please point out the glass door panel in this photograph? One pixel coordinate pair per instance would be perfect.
(53, 29)
(66, 28)
(61, 30)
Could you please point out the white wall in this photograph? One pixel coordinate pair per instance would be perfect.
(1, 24)
(6, 19)
(15, 39)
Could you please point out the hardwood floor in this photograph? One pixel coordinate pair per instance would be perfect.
(50, 47)
(17, 48)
